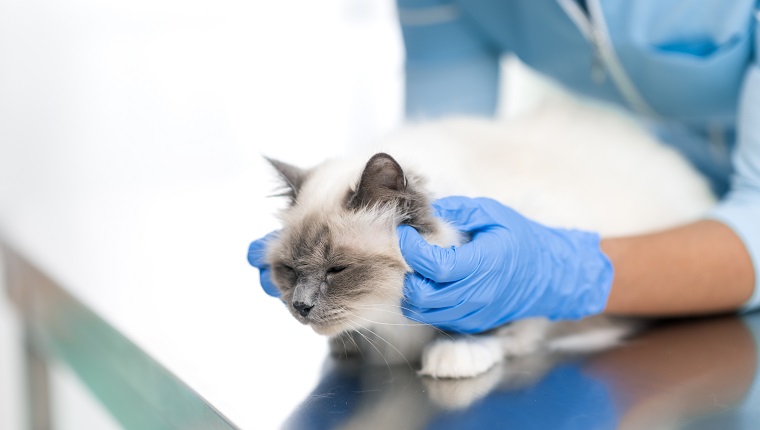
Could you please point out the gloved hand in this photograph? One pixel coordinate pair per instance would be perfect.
(512, 268)
(257, 252)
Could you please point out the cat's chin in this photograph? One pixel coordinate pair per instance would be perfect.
(328, 330)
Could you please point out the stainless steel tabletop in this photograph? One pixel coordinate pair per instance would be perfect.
(686, 374)
(695, 374)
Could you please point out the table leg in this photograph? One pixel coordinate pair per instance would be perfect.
(38, 386)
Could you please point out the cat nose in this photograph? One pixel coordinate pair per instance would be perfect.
(302, 308)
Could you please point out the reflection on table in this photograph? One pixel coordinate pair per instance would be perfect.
(683, 374)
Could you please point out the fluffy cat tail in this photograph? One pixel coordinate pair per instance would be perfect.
(591, 334)
(568, 337)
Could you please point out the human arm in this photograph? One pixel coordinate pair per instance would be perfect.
(709, 266)
(515, 268)
(740, 210)
(706, 267)
(699, 268)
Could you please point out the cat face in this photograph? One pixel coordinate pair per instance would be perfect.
(337, 257)
(329, 272)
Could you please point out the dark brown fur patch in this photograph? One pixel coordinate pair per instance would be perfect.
(383, 183)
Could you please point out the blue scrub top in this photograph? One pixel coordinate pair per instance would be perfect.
(688, 67)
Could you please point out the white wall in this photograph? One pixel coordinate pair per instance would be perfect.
(112, 109)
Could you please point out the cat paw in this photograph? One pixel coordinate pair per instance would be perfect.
(461, 358)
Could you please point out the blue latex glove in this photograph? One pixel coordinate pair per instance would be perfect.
(257, 252)
(512, 268)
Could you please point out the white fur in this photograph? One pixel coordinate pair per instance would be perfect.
(574, 166)
(580, 167)
(568, 166)
(589, 342)
(461, 358)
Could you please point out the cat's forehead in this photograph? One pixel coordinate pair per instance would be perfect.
(321, 235)
(309, 241)
(308, 238)
(328, 184)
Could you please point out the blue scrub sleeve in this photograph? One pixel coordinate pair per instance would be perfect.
(740, 209)
(451, 65)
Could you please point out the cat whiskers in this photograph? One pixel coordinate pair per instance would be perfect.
(346, 334)
(416, 321)
(356, 344)
(371, 343)
(387, 323)
(345, 348)
(333, 316)
(383, 323)
(332, 312)
(383, 339)
(416, 324)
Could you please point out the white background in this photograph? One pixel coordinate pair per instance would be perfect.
(131, 136)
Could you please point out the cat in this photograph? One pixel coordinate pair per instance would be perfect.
(339, 268)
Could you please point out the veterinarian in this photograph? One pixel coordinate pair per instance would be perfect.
(687, 67)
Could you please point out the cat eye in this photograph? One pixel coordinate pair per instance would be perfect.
(285, 269)
(335, 269)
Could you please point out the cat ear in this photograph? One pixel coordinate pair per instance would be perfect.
(382, 181)
(292, 178)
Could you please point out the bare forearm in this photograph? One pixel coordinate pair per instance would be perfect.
(700, 268)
